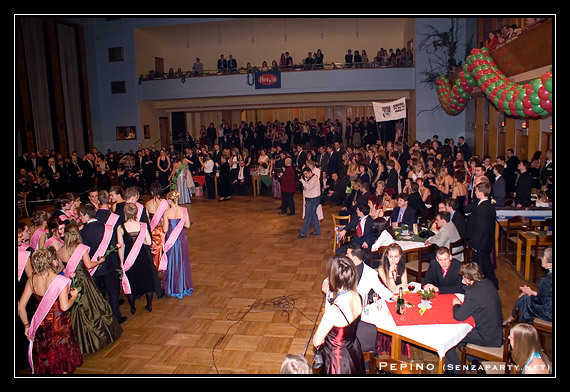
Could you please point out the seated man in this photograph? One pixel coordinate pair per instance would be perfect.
(363, 228)
(443, 274)
(402, 214)
(336, 191)
(242, 180)
(446, 232)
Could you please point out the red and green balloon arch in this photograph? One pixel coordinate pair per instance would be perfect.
(532, 99)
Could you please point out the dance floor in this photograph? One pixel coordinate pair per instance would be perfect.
(257, 295)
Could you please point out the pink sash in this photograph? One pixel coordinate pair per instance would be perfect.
(130, 260)
(139, 211)
(51, 240)
(49, 298)
(171, 240)
(100, 252)
(74, 259)
(35, 240)
(158, 214)
(112, 219)
(23, 256)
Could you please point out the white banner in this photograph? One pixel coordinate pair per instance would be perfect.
(388, 111)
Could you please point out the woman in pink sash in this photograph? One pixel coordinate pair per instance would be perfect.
(134, 236)
(155, 209)
(92, 318)
(56, 229)
(177, 277)
(24, 271)
(38, 230)
(54, 347)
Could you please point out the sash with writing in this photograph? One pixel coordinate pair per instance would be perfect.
(158, 214)
(74, 259)
(100, 252)
(35, 240)
(171, 240)
(23, 256)
(51, 240)
(130, 259)
(49, 298)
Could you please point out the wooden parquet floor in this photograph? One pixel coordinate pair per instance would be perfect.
(257, 293)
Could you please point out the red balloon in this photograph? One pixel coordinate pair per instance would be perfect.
(543, 93)
(526, 102)
(546, 105)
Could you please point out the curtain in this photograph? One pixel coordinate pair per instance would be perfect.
(36, 59)
(70, 79)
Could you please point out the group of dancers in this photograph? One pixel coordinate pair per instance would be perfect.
(74, 263)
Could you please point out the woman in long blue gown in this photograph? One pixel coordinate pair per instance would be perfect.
(177, 278)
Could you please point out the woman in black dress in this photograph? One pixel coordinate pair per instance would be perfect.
(164, 169)
(336, 337)
(225, 180)
(140, 274)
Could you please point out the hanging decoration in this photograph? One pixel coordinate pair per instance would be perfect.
(532, 99)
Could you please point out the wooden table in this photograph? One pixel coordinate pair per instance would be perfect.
(528, 238)
(255, 184)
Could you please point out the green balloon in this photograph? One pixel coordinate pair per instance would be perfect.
(509, 96)
(534, 98)
(521, 112)
(519, 105)
(538, 110)
(536, 84)
(522, 93)
(548, 84)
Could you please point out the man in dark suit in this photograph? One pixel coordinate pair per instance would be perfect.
(232, 64)
(106, 277)
(222, 64)
(75, 172)
(457, 216)
(524, 185)
(336, 191)
(443, 273)
(323, 160)
(55, 176)
(241, 179)
(481, 230)
(363, 228)
(393, 177)
(148, 169)
(403, 214)
(416, 202)
(335, 159)
(510, 172)
(499, 187)
(300, 159)
(483, 303)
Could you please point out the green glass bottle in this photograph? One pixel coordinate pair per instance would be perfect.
(400, 303)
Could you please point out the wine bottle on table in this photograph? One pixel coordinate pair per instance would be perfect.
(400, 303)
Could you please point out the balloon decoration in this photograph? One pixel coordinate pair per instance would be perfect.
(532, 99)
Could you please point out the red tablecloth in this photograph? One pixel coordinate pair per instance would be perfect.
(441, 311)
(201, 180)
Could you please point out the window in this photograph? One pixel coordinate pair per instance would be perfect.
(118, 87)
(116, 54)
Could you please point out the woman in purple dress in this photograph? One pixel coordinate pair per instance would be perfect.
(175, 261)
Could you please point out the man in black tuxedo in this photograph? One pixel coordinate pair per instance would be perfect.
(336, 191)
(76, 174)
(510, 172)
(55, 176)
(232, 64)
(524, 185)
(393, 176)
(457, 216)
(483, 303)
(403, 214)
(443, 273)
(148, 169)
(300, 159)
(241, 179)
(335, 159)
(481, 230)
(363, 228)
(499, 187)
(416, 202)
(106, 277)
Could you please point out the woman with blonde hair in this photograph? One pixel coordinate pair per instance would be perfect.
(134, 240)
(175, 260)
(54, 348)
(92, 318)
(526, 351)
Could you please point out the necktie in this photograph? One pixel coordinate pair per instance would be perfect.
(400, 215)
(359, 229)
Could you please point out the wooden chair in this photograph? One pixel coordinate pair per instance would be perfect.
(23, 204)
(337, 227)
(542, 242)
(514, 225)
(419, 267)
(543, 327)
(493, 354)
(457, 248)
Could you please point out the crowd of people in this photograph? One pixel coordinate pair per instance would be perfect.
(507, 33)
(105, 241)
(401, 57)
(73, 263)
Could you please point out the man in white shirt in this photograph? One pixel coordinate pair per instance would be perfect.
(446, 233)
(312, 194)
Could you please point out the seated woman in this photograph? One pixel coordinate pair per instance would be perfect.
(526, 351)
(536, 304)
